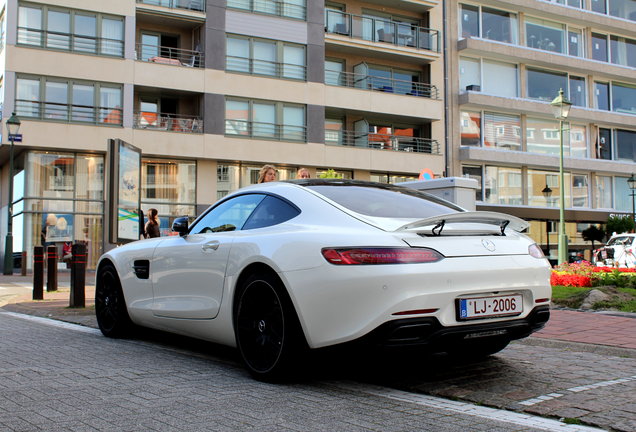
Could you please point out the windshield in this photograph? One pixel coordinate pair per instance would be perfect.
(380, 200)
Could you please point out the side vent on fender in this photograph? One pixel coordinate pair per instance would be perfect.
(142, 269)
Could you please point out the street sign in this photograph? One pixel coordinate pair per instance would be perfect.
(15, 137)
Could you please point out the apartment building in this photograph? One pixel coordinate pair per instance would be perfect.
(207, 92)
(507, 60)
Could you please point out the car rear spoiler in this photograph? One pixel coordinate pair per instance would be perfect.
(437, 223)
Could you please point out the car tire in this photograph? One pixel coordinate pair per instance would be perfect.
(110, 306)
(267, 329)
(473, 351)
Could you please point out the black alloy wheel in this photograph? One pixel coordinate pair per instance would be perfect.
(266, 327)
(110, 305)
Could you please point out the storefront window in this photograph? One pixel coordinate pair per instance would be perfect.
(64, 202)
(168, 186)
(502, 185)
(474, 172)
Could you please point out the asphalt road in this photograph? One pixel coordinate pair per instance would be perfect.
(57, 376)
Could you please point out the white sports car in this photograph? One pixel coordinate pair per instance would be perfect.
(277, 268)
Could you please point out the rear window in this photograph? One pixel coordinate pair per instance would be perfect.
(385, 200)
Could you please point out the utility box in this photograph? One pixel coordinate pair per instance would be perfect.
(458, 190)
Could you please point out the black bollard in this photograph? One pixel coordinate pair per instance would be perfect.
(23, 265)
(38, 273)
(51, 268)
(78, 276)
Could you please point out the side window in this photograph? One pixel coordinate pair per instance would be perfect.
(229, 215)
(271, 211)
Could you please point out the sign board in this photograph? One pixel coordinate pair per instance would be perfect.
(15, 137)
(125, 191)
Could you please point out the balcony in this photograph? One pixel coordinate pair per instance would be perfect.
(169, 56)
(371, 29)
(69, 113)
(168, 122)
(382, 141)
(75, 43)
(193, 5)
(266, 131)
(383, 84)
(288, 9)
(265, 68)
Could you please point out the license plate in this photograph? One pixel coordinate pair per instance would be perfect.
(489, 307)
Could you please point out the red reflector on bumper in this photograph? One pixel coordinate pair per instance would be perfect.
(416, 312)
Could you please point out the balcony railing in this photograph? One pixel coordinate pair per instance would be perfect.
(285, 8)
(70, 42)
(168, 122)
(170, 56)
(382, 141)
(195, 5)
(278, 132)
(265, 67)
(383, 84)
(381, 30)
(69, 113)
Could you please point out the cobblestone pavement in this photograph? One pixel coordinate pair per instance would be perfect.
(558, 373)
(61, 379)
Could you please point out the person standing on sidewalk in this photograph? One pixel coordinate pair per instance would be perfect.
(152, 226)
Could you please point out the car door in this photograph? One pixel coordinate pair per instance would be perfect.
(188, 273)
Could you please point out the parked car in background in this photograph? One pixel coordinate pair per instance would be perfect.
(619, 251)
(278, 268)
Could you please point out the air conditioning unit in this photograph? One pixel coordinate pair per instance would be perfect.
(473, 87)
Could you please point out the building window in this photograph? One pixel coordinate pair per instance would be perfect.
(495, 24)
(502, 185)
(545, 85)
(601, 96)
(266, 57)
(500, 79)
(599, 47)
(625, 142)
(470, 128)
(474, 172)
(469, 74)
(545, 35)
(604, 144)
(287, 8)
(603, 192)
(67, 100)
(580, 190)
(537, 180)
(391, 178)
(623, 50)
(618, 8)
(69, 30)
(502, 131)
(265, 119)
(622, 195)
(624, 98)
(170, 187)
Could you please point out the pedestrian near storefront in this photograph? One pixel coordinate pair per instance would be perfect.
(267, 174)
(152, 226)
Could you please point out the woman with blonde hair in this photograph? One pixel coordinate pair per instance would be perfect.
(267, 174)
(303, 173)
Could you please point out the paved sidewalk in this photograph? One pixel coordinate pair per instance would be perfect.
(590, 328)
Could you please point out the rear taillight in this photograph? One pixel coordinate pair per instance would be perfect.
(535, 251)
(375, 255)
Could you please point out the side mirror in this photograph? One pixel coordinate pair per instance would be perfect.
(180, 225)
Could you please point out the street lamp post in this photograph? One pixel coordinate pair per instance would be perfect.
(632, 185)
(561, 109)
(13, 126)
(547, 193)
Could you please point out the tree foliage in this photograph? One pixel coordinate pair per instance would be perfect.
(593, 233)
(619, 225)
(330, 173)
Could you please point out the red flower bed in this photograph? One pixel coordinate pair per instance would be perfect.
(574, 280)
(612, 269)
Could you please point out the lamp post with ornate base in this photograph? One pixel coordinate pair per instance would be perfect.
(561, 109)
(13, 126)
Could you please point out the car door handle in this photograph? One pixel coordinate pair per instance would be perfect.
(210, 246)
